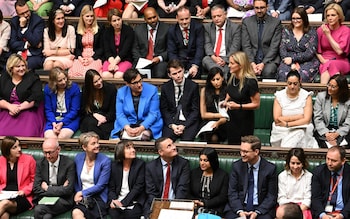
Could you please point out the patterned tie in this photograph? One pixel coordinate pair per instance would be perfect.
(53, 178)
(218, 44)
(186, 36)
(250, 205)
(150, 45)
(167, 182)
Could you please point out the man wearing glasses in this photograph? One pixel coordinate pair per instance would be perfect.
(261, 37)
(54, 177)
(138, 115)
(252, 191)
(27, 31)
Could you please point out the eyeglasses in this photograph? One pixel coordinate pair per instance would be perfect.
(49, 152)
(332, 86)
(136, 82)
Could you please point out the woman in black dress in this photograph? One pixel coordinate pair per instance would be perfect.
(242, 98)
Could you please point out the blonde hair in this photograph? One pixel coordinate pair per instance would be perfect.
(14, 60)
(81, 24)
(245, 71)
(53, 77)
(337, 9)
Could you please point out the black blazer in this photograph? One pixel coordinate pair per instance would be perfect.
(218, 189)
(267, 187)
(320, 185)
(97, 46)
(189, 101)
(125, 47)
(66, 171)
(108, 106)
(29, 89)
(140, 47)
(194, 3)
(180, 179)
(136, 182)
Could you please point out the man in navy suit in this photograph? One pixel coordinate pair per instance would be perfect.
(54, 181)
(156, 172)
(179, 104)
(252, 191)
(27, 31)
(218, 51)
(261, 40)
(330, 193)
(186, 41)
(159, 55)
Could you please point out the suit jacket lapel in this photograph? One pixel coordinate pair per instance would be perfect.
(129, 102)
(340, 112)
(142, 102)
(245, 177)
(327, 110)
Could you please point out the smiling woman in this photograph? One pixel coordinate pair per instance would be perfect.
(20, 100)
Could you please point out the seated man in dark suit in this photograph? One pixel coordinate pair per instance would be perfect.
(222, 38)
(27, 31)
(252, 191)
(330, 193)
(261, 37)
(152, 46)
(186, 41)
(55, 177)
(179, 104)
(168, 176)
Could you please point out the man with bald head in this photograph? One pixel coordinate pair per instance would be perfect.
(54, 177)
(151, 43)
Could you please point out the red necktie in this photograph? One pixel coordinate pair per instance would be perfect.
(218, 44)
(186, 36)
(204, 3)
(24, 53)
(167, 182)
(150, 45)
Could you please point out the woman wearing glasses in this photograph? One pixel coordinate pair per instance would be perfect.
(138, 114)
(292, 114)
(98, 105)
(332, 113)
(17, 171)
(298, 48)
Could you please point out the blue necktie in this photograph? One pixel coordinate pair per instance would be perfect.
(250, 206)
(259, 54)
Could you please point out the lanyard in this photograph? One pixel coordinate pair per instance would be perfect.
(334, 186)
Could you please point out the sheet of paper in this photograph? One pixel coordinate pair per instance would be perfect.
(48, 200)
(99, 3)
(142, 62)
(206, 128)
(315, 17)
(182, 205)
(7, 195)
(138, 4)
(222, 110)
(175, 214)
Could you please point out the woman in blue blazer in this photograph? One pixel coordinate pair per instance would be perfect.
(127, 172)
(137, 109)
(62, 105)
(93, 170)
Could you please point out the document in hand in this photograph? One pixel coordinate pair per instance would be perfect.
(8, 195)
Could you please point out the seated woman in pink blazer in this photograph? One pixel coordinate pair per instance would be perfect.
(17, 173)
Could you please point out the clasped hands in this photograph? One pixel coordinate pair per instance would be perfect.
(100, 118)
(133, 132)
(45, 186)
(56, 127)
(178, 129)
(14, 109)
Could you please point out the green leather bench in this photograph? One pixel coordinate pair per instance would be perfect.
(263, 118)
(225, 163)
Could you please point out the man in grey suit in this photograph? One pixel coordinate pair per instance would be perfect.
(221, 38)
(143, 37)
(261, 37)
(54, 177)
